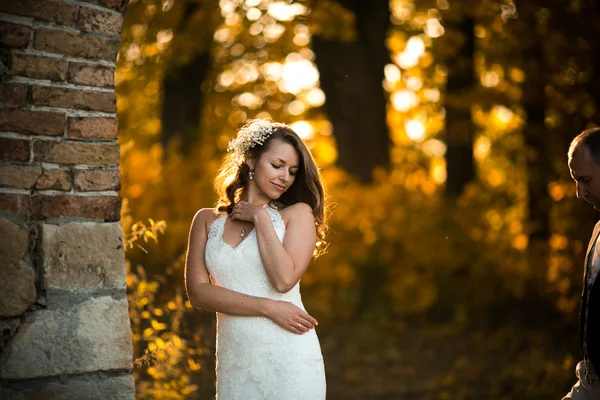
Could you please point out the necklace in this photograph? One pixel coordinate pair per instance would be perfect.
(243, 231)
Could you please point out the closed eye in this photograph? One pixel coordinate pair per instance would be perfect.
(292, 173)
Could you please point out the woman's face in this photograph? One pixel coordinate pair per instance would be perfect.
(276, 169)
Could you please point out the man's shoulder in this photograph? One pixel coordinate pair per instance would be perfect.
(596, 229)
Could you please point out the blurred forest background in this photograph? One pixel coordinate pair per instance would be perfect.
(442, 127)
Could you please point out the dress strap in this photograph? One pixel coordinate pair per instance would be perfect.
(277, 221)
(216, 227)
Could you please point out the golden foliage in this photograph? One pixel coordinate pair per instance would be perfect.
(164, 361)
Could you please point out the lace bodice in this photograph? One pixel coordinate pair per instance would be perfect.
(257, 359)
(241, 268)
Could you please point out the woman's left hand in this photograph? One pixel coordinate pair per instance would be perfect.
(245, 211)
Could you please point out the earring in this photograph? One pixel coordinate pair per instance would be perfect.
(251, 174)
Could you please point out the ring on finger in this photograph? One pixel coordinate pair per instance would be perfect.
(299, 325)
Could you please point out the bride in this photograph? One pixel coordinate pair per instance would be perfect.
(245, 260)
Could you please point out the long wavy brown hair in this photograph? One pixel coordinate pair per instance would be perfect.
(233, 178)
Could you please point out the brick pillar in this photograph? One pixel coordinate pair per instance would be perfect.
(63, 311)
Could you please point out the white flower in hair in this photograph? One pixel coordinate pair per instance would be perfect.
(255, 132)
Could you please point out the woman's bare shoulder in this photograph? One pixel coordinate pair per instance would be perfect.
(296, 211)
(205, 217)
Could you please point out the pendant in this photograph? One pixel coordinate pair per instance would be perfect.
(243, 233)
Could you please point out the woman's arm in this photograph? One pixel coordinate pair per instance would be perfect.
(286, 262)
(203, 294)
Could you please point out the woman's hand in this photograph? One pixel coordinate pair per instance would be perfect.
(245, 211)
(290, 317)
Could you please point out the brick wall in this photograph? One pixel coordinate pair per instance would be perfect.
(63, 311)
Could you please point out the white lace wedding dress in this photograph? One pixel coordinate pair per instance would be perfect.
(257, 359)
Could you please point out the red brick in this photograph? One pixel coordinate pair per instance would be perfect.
(106, 208)
(71, 153)
(91, 75)
(13, 93)
(90, 180)
(117, 5)
(19, 204)
(93, 128)
(54, 179)
(72, 44)
(39, 67)
(97, 21)
(16, 150)
(73, 98)
(56, 11)
(19, 177)
(13, 35)
(32, 122)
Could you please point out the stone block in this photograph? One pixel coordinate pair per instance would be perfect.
(106, 208)
(14, 35)
(56, 11)
(83, 256)
(17, 287)
(54, 179)
(74, 98)
(13, 93)
(16, 204)
(39, 67)
(32, 122)
(19, 177)
(93, 335)
(93, 128)
(97, 21)
(78, 388)
(86, 46)
(15, 248)
(71, 152)
(91, 75)
(15, 150)
(17, 279)
(93, 180)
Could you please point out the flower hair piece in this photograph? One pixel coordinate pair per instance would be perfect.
(255, 132)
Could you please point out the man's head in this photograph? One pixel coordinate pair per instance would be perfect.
(584, 164)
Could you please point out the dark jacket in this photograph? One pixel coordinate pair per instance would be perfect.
(593, 309)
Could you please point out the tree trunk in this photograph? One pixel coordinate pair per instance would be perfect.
(351, 77)
(460, 167)
(182, 101)
(538, 149)
(182, 94)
